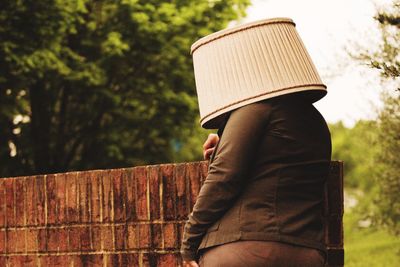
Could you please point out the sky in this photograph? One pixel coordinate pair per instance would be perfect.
(328, 29)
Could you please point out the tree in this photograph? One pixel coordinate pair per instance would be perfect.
(356, 146)
(386, 60)
(388, 162)
(99, 84)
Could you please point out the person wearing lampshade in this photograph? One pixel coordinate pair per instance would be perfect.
(262, 201)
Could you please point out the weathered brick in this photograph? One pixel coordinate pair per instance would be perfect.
(156, 236)
(84, 197)
(21, 261)
(182, 207)
(193, 174)
(130, 202)
(15, 241)
(75, 261)
(144, 236)
(72, 195)
(52, 239)
(107, 197)
(122, 260)
(114, 260)
(128, 193)
(42, 240)
(95, 199)
(148, 259)
(140, 174)
(2, 241)
(129, 259)
(40, 199)
(107, 238)
(20, 242)
(31, 212)
(180, 230)
(61, 203)
(54, 260)
(74, 237)
(85, 235)
(167, 260)
(2, 203)
(32, 235)
(20, 201)
(121, 237)
(51, 199)
(170, 235)
(3, 260)
(57, 239)
(119, 187)
(154, 188)
(96, 238)
(10, 202)
(133, 237)
(62, 234)
(88, 260)
(168, 192)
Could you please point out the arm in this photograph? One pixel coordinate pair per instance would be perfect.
(227, 173)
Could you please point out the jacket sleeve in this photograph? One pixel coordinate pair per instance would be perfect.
(227, 173)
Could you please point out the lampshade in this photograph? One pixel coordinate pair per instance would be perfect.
(249, 63)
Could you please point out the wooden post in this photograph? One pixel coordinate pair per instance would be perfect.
(334, 215)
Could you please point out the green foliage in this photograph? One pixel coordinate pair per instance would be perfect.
(386, 160)
(388, 177)
(100, 84)
(192, 149)
(357, 147)
(369, 246)
(385, 58)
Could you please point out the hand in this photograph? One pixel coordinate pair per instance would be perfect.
(190, 264)
(209, 145)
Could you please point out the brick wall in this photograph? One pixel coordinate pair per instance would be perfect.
(119, 217)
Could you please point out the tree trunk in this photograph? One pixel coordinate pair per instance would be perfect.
(40, 127)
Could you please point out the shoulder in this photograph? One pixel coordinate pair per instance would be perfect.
(259, 110)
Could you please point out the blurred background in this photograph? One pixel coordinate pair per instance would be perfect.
(96, 84)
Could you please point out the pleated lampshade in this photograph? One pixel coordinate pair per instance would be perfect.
(249, 63)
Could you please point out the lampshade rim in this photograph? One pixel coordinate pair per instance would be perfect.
(222, 33)
(207, 122)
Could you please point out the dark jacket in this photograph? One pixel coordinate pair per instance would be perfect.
(265, 180)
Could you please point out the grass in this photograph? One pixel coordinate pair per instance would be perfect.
(369, 247)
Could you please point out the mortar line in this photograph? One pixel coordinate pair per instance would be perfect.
(45, 199)
(112, 211)
(148, 192)
(99, 252)
(66, 204)
(89, 199)
(73, 225)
